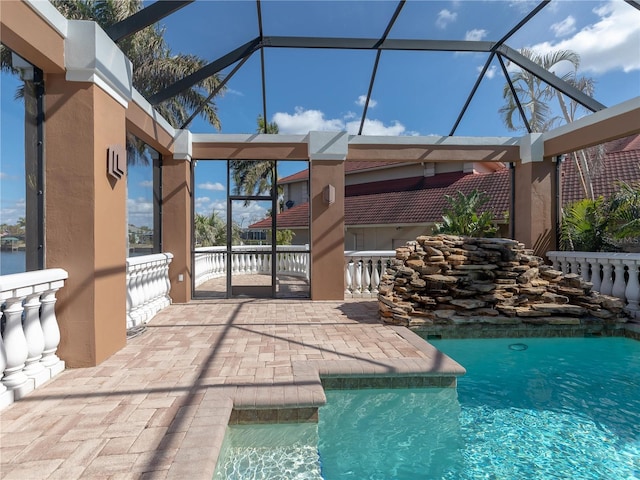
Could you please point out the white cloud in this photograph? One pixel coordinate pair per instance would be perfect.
(3, 175)
(363, 98)
(612, 43)
(476, 34)
(146, 184)
(490, 73)
(140, 211)
(303, 121)
(565, 27)
(215, 187)
(445, 17)
(376, 127)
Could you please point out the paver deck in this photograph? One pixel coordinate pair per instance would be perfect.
(159, 407)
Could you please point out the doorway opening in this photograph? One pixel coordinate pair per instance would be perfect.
(241, 248)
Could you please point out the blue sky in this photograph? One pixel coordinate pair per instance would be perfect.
(415, 93)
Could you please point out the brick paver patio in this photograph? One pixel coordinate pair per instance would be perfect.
(159, 407)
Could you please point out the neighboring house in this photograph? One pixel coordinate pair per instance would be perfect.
(388, 203)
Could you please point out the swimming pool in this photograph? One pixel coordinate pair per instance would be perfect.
(527, 408)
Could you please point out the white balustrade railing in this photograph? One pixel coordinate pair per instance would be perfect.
(211, 262)
(362, 271)
(30, 333)
(148, 287)
(615, 274)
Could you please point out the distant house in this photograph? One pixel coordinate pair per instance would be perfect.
(387, 203)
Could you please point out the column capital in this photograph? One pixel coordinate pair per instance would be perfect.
(91, 56)
(328, 145)
(532, 148)
(183, 145)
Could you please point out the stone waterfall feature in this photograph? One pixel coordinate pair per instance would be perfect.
(454, 280)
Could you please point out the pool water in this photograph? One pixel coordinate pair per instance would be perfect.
(528, 408)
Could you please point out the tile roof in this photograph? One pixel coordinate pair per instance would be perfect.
(294, 217)
(422, 199)
(423, 205)
(617, 165)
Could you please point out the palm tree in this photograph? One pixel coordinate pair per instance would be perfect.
(462, 217)
(211, 230)
(155, 66)
(534, 95)
(255, 177)
(624, 206)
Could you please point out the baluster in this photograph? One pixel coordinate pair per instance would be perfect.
(243, 263)
(357, 266)
(584, 269)
(564, 265)
(607, 280)
(366, 276)
(375, 276)
(50, 330)
(347, 277)
(595, 273)
(145, 278)
(154, 294)
(35, 340)
(15, 348)
(619, 285)
(633, 289)
(573, 265)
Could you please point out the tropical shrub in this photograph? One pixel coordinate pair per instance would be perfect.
(463, 217)
(601, 225)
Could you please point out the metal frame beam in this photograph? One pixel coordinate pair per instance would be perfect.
(473, 92)
(375, 64)
(145, 17)
(556, 82)
(206, 71)
(375, 44)
(515, 94)
(633, 3)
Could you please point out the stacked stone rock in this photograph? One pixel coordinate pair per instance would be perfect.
(447, 279)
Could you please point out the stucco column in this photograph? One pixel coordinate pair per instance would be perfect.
(176, 215)
(535, 197)
(327, 152)
(176, 225)
(85, 211)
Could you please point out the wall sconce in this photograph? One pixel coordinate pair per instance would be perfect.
(329, 194)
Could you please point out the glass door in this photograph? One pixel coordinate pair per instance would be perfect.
(251, 239)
